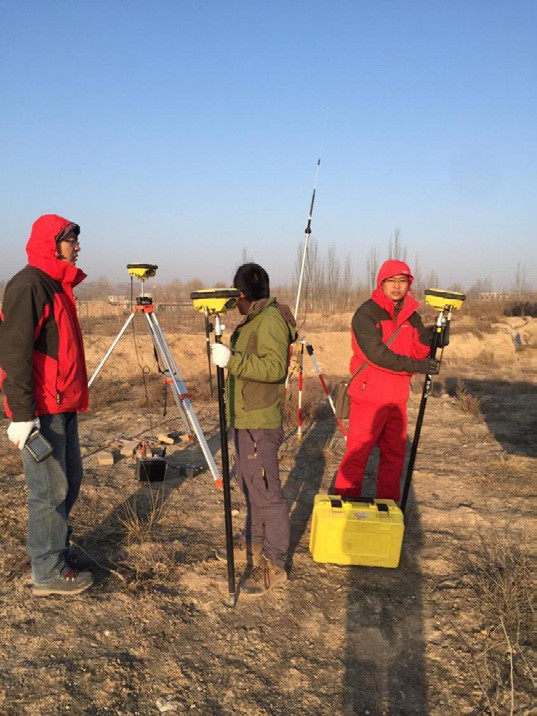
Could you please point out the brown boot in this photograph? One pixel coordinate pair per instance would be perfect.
(243, 552)
(264, 576)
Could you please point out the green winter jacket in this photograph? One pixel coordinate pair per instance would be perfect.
(257, 368)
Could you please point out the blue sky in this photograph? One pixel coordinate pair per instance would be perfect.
(181, 133)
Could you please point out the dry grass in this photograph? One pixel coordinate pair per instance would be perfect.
(467, 402)
(149, 565)
(11, 460)
(499, 577)
(141, 517)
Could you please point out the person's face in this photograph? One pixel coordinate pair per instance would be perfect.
(396, 287)
(68, 249)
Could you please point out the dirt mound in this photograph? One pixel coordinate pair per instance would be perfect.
(511, 342)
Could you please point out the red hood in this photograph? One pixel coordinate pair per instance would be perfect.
(392, 267)
(389, 268)
(41, 249)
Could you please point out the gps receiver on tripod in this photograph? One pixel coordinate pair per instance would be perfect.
(445, 302)
(144, 305)
(215, 302)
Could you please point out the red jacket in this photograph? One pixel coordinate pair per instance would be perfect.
(41, 348)
(386, 377)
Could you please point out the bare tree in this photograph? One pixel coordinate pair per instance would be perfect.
(346, 284)
(333, 279)
(395, 249)
(372, 267)
(246, 257)
(520, 285)
(480, 287)
(431, 279)
(313, 279)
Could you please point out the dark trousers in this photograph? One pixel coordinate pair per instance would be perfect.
(258, 473)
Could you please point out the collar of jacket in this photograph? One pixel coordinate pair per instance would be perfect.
(407, 306)
(257, 307)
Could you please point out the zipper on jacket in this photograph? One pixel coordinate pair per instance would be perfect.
(58, 397)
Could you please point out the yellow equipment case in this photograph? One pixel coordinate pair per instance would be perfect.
(361, 531)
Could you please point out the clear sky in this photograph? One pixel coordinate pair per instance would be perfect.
(182, 132)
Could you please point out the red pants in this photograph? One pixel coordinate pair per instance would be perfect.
(373, 424)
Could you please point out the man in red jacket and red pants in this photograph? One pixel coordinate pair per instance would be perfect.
(379, 392)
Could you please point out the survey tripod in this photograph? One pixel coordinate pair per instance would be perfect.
(144, 306)
(444, 302)
(214, 303)
(299, 358)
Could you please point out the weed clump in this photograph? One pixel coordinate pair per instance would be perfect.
(467, 402)
(499, 577)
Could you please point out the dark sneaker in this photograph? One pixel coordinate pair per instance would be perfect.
(243, 552)
(263, 577)
(69, 582)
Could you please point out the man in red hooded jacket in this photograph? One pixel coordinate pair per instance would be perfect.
(44, 380)
(379, 391)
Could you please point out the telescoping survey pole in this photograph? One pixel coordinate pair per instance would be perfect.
(307, 234)
(444, 302)
(215, 302)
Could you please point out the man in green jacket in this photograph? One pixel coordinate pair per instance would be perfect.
(257, 366)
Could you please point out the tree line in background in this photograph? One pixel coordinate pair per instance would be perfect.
(328, 283)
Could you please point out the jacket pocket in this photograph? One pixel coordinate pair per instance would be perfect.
(259, 395)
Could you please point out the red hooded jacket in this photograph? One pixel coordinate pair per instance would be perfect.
(386, 377)
(41, 348)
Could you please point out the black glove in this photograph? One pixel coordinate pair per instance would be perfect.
(429, 366)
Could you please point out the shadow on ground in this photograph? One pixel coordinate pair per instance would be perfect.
(509, 410)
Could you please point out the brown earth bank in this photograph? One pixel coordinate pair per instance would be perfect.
(448, 631)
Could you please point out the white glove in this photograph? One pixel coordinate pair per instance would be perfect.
(18, 432)
(220, 354)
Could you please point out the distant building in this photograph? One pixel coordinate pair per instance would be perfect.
(498, 295)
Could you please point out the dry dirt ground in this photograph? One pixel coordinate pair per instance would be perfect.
(447, 632)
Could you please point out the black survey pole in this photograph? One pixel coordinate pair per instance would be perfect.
(439, 329)
(225, 469)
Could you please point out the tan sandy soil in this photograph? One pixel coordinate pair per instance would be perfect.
(157, 632)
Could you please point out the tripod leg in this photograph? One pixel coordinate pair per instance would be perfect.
(309, 348)
(180, 392)
(107, 355)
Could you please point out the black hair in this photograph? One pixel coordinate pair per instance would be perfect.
(253, 281)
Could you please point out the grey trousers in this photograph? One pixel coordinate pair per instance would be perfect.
(258, 474)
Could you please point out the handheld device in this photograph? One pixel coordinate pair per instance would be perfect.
(38, 446)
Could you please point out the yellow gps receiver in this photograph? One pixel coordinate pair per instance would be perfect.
(443, 300)
(142, 271)
(215, 300)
